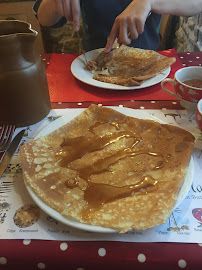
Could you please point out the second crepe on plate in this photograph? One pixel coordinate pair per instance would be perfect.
(129, 66)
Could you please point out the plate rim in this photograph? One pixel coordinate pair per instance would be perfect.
(95, 228)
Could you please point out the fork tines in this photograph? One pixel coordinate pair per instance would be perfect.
(6, 132)
(100, 57)
(85, 58)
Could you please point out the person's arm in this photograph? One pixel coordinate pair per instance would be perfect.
(51, 11)
(177, 7)
(133, 18)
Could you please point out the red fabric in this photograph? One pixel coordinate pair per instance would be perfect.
(190, 58)
(64, 87)
(85, 255)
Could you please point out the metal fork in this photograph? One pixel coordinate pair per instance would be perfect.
(6, 133)
(101, 55)
(81, 47)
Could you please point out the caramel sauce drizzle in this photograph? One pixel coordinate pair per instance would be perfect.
(75, 148)
(97, 194)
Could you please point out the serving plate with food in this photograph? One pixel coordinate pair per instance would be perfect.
(100, 170)
(124, 68)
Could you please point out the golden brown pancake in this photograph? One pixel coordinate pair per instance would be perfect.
(129, 66)
(106, 168)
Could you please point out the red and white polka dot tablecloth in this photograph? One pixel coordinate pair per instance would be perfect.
(101, 255)
(35, 254)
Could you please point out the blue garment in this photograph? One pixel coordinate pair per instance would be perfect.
(98, 17)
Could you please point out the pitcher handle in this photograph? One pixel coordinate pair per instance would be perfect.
(165, 89)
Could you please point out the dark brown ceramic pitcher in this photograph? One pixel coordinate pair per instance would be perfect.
(24, 95)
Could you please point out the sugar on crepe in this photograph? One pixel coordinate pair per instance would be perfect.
(105, 168)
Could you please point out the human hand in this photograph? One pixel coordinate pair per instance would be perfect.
(69, 9)
(129, 24)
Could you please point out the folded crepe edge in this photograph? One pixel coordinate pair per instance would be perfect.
(105, 73)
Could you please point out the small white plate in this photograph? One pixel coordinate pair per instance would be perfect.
(71, 113)
(84, 75)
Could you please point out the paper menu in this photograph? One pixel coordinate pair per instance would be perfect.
(21, 218)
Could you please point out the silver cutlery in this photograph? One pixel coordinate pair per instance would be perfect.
(101, 55)
(6, 133)
(10, 151)
(81, 47)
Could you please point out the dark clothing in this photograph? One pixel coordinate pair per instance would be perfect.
(98, 17)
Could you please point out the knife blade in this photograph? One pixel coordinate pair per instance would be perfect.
(10, 151)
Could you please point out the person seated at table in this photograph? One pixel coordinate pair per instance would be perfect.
(134, 23)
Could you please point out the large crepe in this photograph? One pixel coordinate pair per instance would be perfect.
(129, 66)
(106, 168)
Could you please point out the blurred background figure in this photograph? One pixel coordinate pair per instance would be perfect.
(188, 36)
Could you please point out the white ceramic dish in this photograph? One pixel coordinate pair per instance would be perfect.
(71, 113)
(79, 72)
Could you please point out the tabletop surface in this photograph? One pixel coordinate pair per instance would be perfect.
(87, 255)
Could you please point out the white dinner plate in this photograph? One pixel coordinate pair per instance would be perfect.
(84, 75)
(71, 113)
